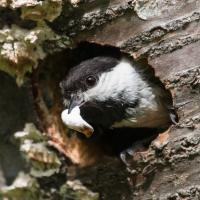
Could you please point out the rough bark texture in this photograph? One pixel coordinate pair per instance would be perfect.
(164, 33)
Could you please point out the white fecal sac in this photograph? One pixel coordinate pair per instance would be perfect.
(74, 121)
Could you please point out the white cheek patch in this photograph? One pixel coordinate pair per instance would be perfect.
(74, 121)
(123, 78)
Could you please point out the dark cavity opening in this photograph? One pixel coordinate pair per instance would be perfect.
(110, 141)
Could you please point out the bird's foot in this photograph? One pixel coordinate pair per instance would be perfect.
(140, 146)
(128, 154)
(125, 154)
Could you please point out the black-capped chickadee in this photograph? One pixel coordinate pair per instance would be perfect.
(113, 93)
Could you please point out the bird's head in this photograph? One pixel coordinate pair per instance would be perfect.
(102, 88)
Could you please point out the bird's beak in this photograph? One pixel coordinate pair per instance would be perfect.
(73, 119)
(75, 101)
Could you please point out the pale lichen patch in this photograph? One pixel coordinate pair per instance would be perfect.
(3, 3)
(48, 10)
(82, 191)
(44, 162)
(27, 187)
(21, 49)
(35, 10)
(23, 186)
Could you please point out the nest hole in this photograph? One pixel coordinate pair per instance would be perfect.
(112, 141)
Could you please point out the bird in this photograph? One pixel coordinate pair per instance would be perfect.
(115, 92)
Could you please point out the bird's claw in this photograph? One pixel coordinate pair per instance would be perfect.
(125, 155)
(128, 154)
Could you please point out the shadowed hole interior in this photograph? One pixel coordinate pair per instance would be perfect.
(111, 141)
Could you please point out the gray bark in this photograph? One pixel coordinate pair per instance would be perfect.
(165, 34)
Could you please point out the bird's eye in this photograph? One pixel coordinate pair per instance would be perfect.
(91, 81)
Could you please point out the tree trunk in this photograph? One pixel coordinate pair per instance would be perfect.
(39, 42)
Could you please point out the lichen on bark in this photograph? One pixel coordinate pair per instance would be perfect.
(21, 48)
(36, 10)
(165, 33)
(27, 187)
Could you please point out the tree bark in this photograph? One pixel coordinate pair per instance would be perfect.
(39, 42)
